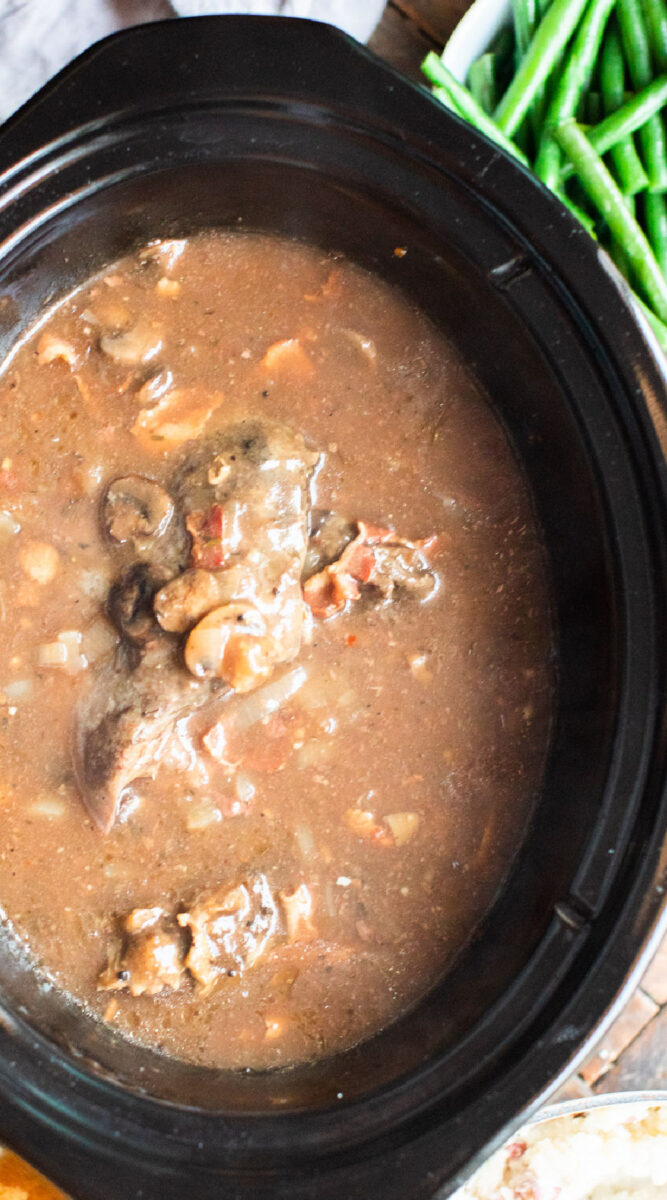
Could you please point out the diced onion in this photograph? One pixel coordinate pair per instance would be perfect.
(19, 689)
(52, 654)
(47, 806)
(362, 343)
(201, 816)
(168, 287)
(39, 560)
(65, 652)
(313, 753)
(244, 787)
(403, 825)
(9, 526)
(303, 835)
(255, 706)
(94, 584)
(99, 640)
(322, 693)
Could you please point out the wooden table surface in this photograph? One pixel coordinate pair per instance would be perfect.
(632, 1055)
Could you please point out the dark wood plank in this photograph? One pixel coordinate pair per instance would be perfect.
(655, 979)
(637, 1014)
(435, 18)
(400, 42)
(643, 1064)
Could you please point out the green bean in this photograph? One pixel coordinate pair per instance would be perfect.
(524, 13)
(593, 108)
(655, 15)
(503, 44)
(460, 99)
(502, 47)
(630, 116)
(526, 18)
(578, 212)
(620, 258)
(601, 189)
(551, 36)
(538, 107)
(638, 58)
(482, 82)
(575, 77)
(627, 164)
(655, 220)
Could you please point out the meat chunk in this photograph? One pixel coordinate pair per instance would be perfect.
(330, 533)
(246, 499)
(243, 619)
(125, 722)
(377, 558)
(150, 958)
(230, 930)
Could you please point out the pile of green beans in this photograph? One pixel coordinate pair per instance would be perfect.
(577, 92)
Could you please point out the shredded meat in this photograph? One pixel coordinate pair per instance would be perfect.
(248, 616)
(150, 959)
(246, 499)
(125, 722)
(243, 499)
(377, 558)
(230, 930)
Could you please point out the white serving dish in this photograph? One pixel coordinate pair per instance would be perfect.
(474, 34)
(615, 1110)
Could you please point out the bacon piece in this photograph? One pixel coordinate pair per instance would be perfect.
(207, 532)
(376, 556)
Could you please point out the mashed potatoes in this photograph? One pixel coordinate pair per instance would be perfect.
(617, 1152)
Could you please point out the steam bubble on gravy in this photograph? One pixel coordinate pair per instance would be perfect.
(309, 690)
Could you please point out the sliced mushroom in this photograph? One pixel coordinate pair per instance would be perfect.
(182, 602)
(136, 508)
(186, 599)
(130, 602)
(134, 346)
(232, 644)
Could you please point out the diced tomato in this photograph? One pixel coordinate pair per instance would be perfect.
(207, 532)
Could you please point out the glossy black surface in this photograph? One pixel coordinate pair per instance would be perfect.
(290, 126)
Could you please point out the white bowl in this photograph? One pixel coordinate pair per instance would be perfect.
(582, 1145)
(474, 34)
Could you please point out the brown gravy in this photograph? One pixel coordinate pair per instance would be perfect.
(351, 827)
